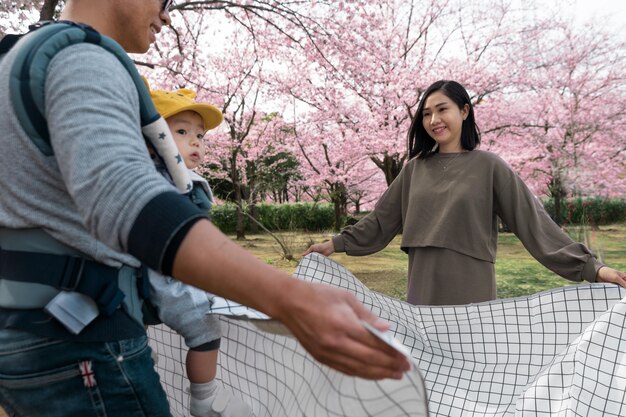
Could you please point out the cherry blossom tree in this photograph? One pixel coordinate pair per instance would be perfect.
(335, 85)
(16, 15)
(382, 55)
(252, 140)
(570, 114)
(334, 172)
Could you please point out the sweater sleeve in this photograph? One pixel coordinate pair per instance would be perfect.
(374, 232)
(524, 214)
(92, 109)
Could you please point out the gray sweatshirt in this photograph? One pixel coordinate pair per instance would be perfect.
(100, 192)
(457, 209)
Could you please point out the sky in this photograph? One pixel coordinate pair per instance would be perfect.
(612, 11)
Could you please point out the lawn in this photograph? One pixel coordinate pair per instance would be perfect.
(517, 273)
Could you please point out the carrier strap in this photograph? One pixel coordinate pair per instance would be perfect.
(28, 75)
(63, 272)
(27, 89)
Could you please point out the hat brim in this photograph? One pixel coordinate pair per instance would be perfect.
(211, 116)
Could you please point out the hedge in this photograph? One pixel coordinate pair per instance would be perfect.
(593, 211)
(276, 217)
(321, 216)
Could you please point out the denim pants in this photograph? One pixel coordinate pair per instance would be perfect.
(54, 378)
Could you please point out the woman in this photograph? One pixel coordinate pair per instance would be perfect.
(446, 201)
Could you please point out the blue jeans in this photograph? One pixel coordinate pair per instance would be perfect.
(54, 378)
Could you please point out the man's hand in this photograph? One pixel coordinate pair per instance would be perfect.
(606, 274)
(326, 248)
(326, 320)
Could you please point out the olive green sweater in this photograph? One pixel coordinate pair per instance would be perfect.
(452, 201)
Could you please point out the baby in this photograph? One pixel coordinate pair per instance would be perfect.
(180, 306)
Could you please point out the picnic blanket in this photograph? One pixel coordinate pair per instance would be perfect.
(560, 352)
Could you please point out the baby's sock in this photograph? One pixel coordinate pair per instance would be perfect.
(211, 399)
(202, 391)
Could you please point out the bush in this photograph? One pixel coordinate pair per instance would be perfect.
(297, 216)
(224, 217)
(355, 218)
(594, 211)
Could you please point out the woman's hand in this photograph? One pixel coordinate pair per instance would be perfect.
(606, 274)
(326, 248)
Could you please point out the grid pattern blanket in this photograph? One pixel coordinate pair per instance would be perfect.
(557, 353)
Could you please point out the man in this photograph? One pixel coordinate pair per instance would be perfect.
(100, 198)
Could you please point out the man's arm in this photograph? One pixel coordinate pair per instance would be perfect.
(126, 204)
(325, 320)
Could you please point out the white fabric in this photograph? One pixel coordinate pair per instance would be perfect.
(158, 132)
(557, 353)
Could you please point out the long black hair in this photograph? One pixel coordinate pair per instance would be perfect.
(420, 142)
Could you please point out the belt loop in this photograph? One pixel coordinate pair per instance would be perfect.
(72, 273)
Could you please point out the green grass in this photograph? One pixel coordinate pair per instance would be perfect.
(517, 272)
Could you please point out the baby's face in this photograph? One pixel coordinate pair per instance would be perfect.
(188, 130)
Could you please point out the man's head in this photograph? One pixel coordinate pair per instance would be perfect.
(188, 121)
(134, 24)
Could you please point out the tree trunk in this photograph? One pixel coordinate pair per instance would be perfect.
(391, 165)
(557, 209)
(558, 193)
(254, 213)
(47, 10)
(339, 197)
(240, 228)
(337, 216)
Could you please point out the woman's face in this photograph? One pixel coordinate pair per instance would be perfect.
(443, 121)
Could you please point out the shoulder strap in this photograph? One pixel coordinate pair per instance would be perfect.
(7, 42)
(28, 75)
(27, 88)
